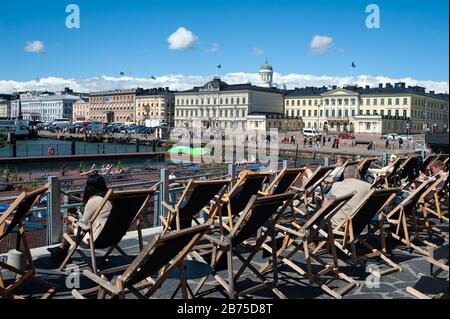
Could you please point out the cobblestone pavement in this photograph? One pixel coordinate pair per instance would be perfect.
(391, 286)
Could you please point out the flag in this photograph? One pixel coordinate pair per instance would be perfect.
(122, 73)
(153, 78)
(219, 66)
(353, 65)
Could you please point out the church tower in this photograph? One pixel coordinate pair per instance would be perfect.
(266, 75)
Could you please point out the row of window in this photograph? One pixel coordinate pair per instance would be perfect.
(112, 108)
(211, 113)
(211, 101)
(342, 113)
(108, 99)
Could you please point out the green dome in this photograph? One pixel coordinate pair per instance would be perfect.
(266, 66)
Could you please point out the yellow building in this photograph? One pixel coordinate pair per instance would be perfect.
(157, 107)
(80, 110)
(117, 106)
(383, 109)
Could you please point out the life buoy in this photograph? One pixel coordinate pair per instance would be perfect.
(51, 151)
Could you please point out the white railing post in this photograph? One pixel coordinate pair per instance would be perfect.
(54, 220)
(163, 194)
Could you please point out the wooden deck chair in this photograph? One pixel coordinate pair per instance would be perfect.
(163, 254)
(283, 181)
(439, 258)
(364, 165)
(236, 200)
(430, 288)
(306, 193)
(384, 181)
(435, 200)
(349, 232)
(404, 215)
(12, 218)
(430, 159)
(297, 239)
(127, 209)
(260, 216)
(408, 171)
(196, 198)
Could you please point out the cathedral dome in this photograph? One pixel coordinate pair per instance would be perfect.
(266, 67)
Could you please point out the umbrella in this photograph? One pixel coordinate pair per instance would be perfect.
(198, 151)
(179, 150)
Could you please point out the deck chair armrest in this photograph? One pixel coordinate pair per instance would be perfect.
(77, 295)
(168, 207)
(216, 241)
(417, 293)
(101, 282)
(297, 189)
(83, 226)
(290, 231)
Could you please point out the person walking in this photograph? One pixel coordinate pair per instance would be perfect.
(337, 142)
(305, 141)
(334, 142)
(400, 143)
(324, 141)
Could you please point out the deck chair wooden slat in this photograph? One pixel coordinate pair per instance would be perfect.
(261, 214)
(127, 209)
(235, 201)
(297, 240)
(163, 254)
(197, 197)
(403, 218)
(14, 217)
(350, 231)
(283, 181)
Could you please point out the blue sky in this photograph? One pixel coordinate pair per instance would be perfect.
(131, 36)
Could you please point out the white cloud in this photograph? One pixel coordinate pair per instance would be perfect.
(257, 51)
(184, 82)
(321, 43)
(215, 47)
(35, 47)
(182, 39)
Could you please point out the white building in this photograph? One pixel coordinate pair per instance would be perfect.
(266, 75)
(218, 105)
(44, 108)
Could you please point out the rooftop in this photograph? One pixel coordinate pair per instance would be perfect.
(217, 85)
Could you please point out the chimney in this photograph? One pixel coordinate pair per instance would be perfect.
(432, 92)
(334, 87)
(367, 87)
(380, 85)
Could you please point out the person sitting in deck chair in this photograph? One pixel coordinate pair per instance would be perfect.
(436, 170)
(350, 184)
(385, 170)
(94, 192)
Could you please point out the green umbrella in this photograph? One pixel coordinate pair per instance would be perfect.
(198, 151)
(178, 150)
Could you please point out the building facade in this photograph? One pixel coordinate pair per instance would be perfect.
(156, 107)
(45, 108)
(384, 109)
(81, 110)
(5, 108)
(217, 105)
(116, 106)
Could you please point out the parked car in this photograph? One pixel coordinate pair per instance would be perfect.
(346, 136)
(310, 132)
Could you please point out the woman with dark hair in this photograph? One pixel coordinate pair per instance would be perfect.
(93, 195)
